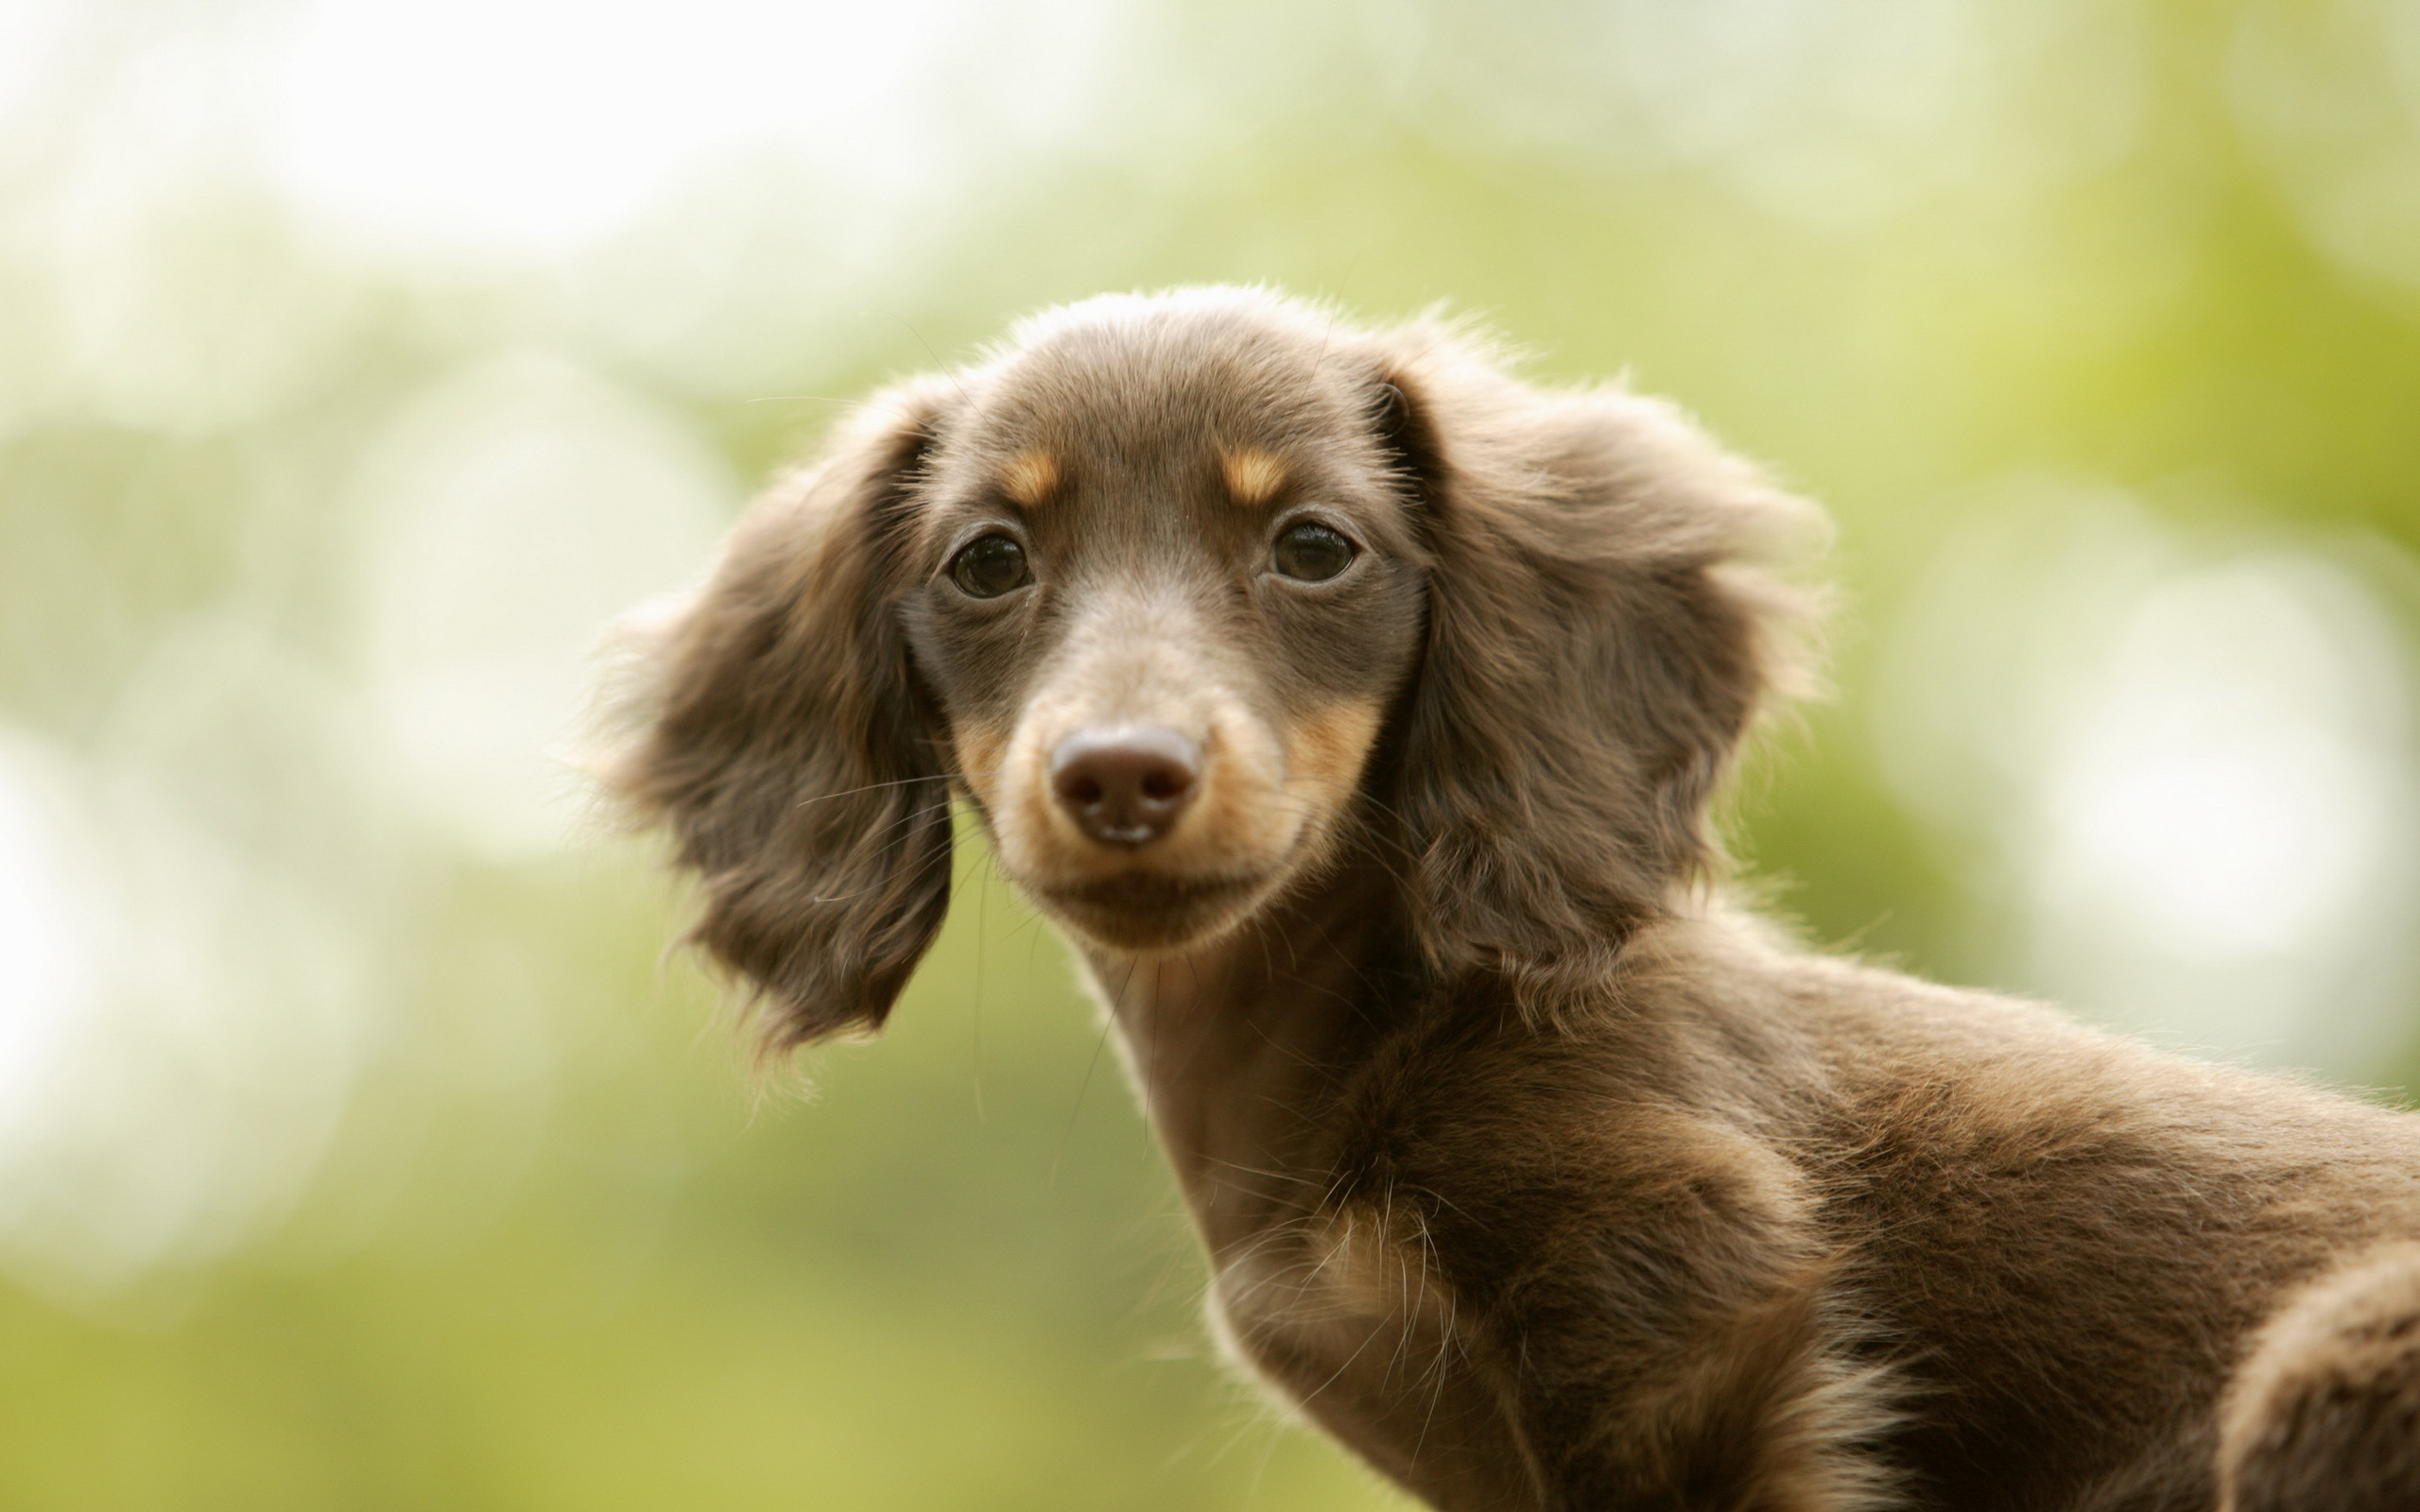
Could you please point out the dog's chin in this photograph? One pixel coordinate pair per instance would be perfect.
(1152, 912)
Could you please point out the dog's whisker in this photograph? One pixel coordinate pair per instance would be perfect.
(877, 788)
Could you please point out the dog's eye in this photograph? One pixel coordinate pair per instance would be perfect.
(989, 567)
(1311, 553)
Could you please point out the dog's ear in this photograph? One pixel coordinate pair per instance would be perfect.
(1602, 628)
(776, 729)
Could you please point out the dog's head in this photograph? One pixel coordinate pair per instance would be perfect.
(1188, 594)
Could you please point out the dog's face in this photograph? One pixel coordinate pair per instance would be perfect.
(1188, 594)
(1165, 595)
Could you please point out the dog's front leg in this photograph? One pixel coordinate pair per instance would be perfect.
(1760, 1411)
(1659, 1321)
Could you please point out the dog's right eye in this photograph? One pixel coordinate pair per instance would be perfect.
(1312, 552)
(989, 567)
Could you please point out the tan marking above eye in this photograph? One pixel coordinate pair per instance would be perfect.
(1030, 477)
(1254, 476)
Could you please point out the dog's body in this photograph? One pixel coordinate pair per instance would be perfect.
(1355, 709)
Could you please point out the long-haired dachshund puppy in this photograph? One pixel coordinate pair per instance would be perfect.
(1353, 708)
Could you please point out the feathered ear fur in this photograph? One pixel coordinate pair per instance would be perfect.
(781, 737)
(1601, 632)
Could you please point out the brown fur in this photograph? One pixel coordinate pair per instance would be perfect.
(2327, 1411)
(1528, 1167)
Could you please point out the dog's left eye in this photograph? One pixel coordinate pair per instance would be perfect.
(1311, 553)
(989, 567)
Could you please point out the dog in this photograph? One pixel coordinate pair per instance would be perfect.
(1354, 707)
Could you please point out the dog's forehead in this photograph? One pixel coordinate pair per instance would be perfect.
(1148, 392)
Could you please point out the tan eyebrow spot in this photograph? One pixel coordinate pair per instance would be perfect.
(1253, 475)
(1030, 477)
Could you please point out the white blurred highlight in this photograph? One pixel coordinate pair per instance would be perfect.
(540, 125)
(507, 515)
(47, 964)
(1826, 112)
(2328, 96)
(29, 35)
(2190, 769)
(2229, 781)
(192, 923)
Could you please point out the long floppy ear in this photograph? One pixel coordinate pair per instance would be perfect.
(779, 734)
(1601, 631)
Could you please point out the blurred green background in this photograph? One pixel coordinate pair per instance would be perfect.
(360, 1145)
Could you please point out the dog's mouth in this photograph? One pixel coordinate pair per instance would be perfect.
(1141, 910)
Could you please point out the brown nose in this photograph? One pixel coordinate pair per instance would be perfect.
(1125, 784)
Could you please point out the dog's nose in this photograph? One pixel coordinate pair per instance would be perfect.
(1125, 784)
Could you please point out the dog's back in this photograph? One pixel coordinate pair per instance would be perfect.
(2068, 1242)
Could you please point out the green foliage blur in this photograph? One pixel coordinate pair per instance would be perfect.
(361, 1146)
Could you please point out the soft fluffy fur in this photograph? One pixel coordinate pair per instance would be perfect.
(1528, 1167)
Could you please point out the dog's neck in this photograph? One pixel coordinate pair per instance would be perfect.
(1235, 1044)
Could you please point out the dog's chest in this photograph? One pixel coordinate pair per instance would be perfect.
(1347, 1315)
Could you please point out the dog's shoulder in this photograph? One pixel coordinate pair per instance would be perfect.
(1870, 1073)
